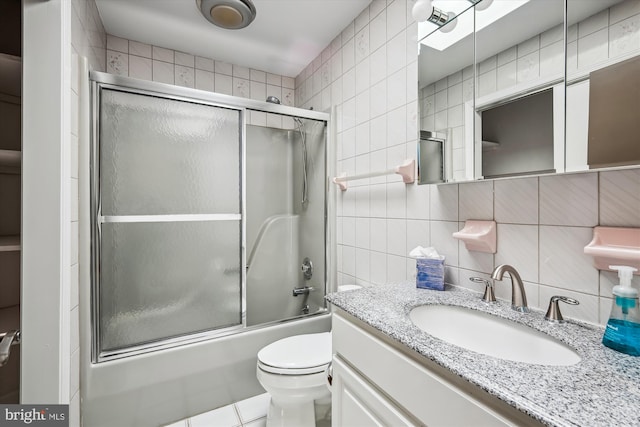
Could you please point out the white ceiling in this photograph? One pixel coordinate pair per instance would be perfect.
(283, 39)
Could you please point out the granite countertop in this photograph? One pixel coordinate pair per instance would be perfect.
(603, 389)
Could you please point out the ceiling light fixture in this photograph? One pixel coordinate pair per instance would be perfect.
(228, 14)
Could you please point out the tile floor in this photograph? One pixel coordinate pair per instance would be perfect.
(251, 412)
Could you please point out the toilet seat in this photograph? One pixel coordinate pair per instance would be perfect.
(297, 355)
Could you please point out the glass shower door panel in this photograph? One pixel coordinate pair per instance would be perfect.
(161, 156)
(163, 280)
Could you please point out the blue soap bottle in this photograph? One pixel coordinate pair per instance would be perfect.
(623, 329)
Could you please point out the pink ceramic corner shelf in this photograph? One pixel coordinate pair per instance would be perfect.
(615, 246)
(479, 236)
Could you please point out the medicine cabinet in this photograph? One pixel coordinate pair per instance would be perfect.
(500, 60)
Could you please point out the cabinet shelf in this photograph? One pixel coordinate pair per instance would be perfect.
(9, 243)
(9, 318)
(10, 74)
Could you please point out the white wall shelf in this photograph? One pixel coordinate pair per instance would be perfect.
(9, 243)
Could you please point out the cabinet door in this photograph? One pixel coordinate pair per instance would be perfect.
(356, 403)
(425, 395)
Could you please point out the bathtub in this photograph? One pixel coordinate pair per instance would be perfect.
(169, 384)
(161, 387)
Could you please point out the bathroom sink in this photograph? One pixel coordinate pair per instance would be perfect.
(491, 335)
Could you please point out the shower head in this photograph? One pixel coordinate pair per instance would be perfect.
(274, 100)
(228, 14)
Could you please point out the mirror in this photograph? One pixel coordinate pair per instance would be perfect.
(603, 83)
(520, 90)
(510, 117)
(446, 88)
(431, 158)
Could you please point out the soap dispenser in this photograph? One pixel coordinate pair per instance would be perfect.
(623, 329)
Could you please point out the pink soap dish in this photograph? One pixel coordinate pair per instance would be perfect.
(615, 246)
(479, 236)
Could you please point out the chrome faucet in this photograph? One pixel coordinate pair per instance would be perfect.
(489, 295)
(518, 296)
(553, 312)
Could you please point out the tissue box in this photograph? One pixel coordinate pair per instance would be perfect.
(430, 273)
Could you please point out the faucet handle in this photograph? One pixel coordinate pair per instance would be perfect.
(488, 296)
(553, 312)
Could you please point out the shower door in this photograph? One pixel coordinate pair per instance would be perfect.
(167, 226)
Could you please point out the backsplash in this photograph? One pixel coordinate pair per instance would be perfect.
(543, 225)
(368, 73)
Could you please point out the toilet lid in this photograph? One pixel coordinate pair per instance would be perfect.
(308, 353)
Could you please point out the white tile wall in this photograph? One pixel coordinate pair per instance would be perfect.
(364, 73)
(516, 201)
(570, 199)
(620, 198)
(88, 39)
(444, 202)
(518, 246)
(543, 222)
(608, 34)
(562, 261)
(143, 61)
(476, 201)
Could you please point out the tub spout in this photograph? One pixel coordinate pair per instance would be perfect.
(302, 291)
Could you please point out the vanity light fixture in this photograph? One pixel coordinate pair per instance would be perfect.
(440, 40)
(423, 10)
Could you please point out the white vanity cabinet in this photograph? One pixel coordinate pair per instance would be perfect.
(378, 383)
(356, 402)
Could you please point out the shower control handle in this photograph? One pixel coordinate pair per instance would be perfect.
(302, 291)
(307, 268)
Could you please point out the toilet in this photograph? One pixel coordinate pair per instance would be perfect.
(292, 371)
